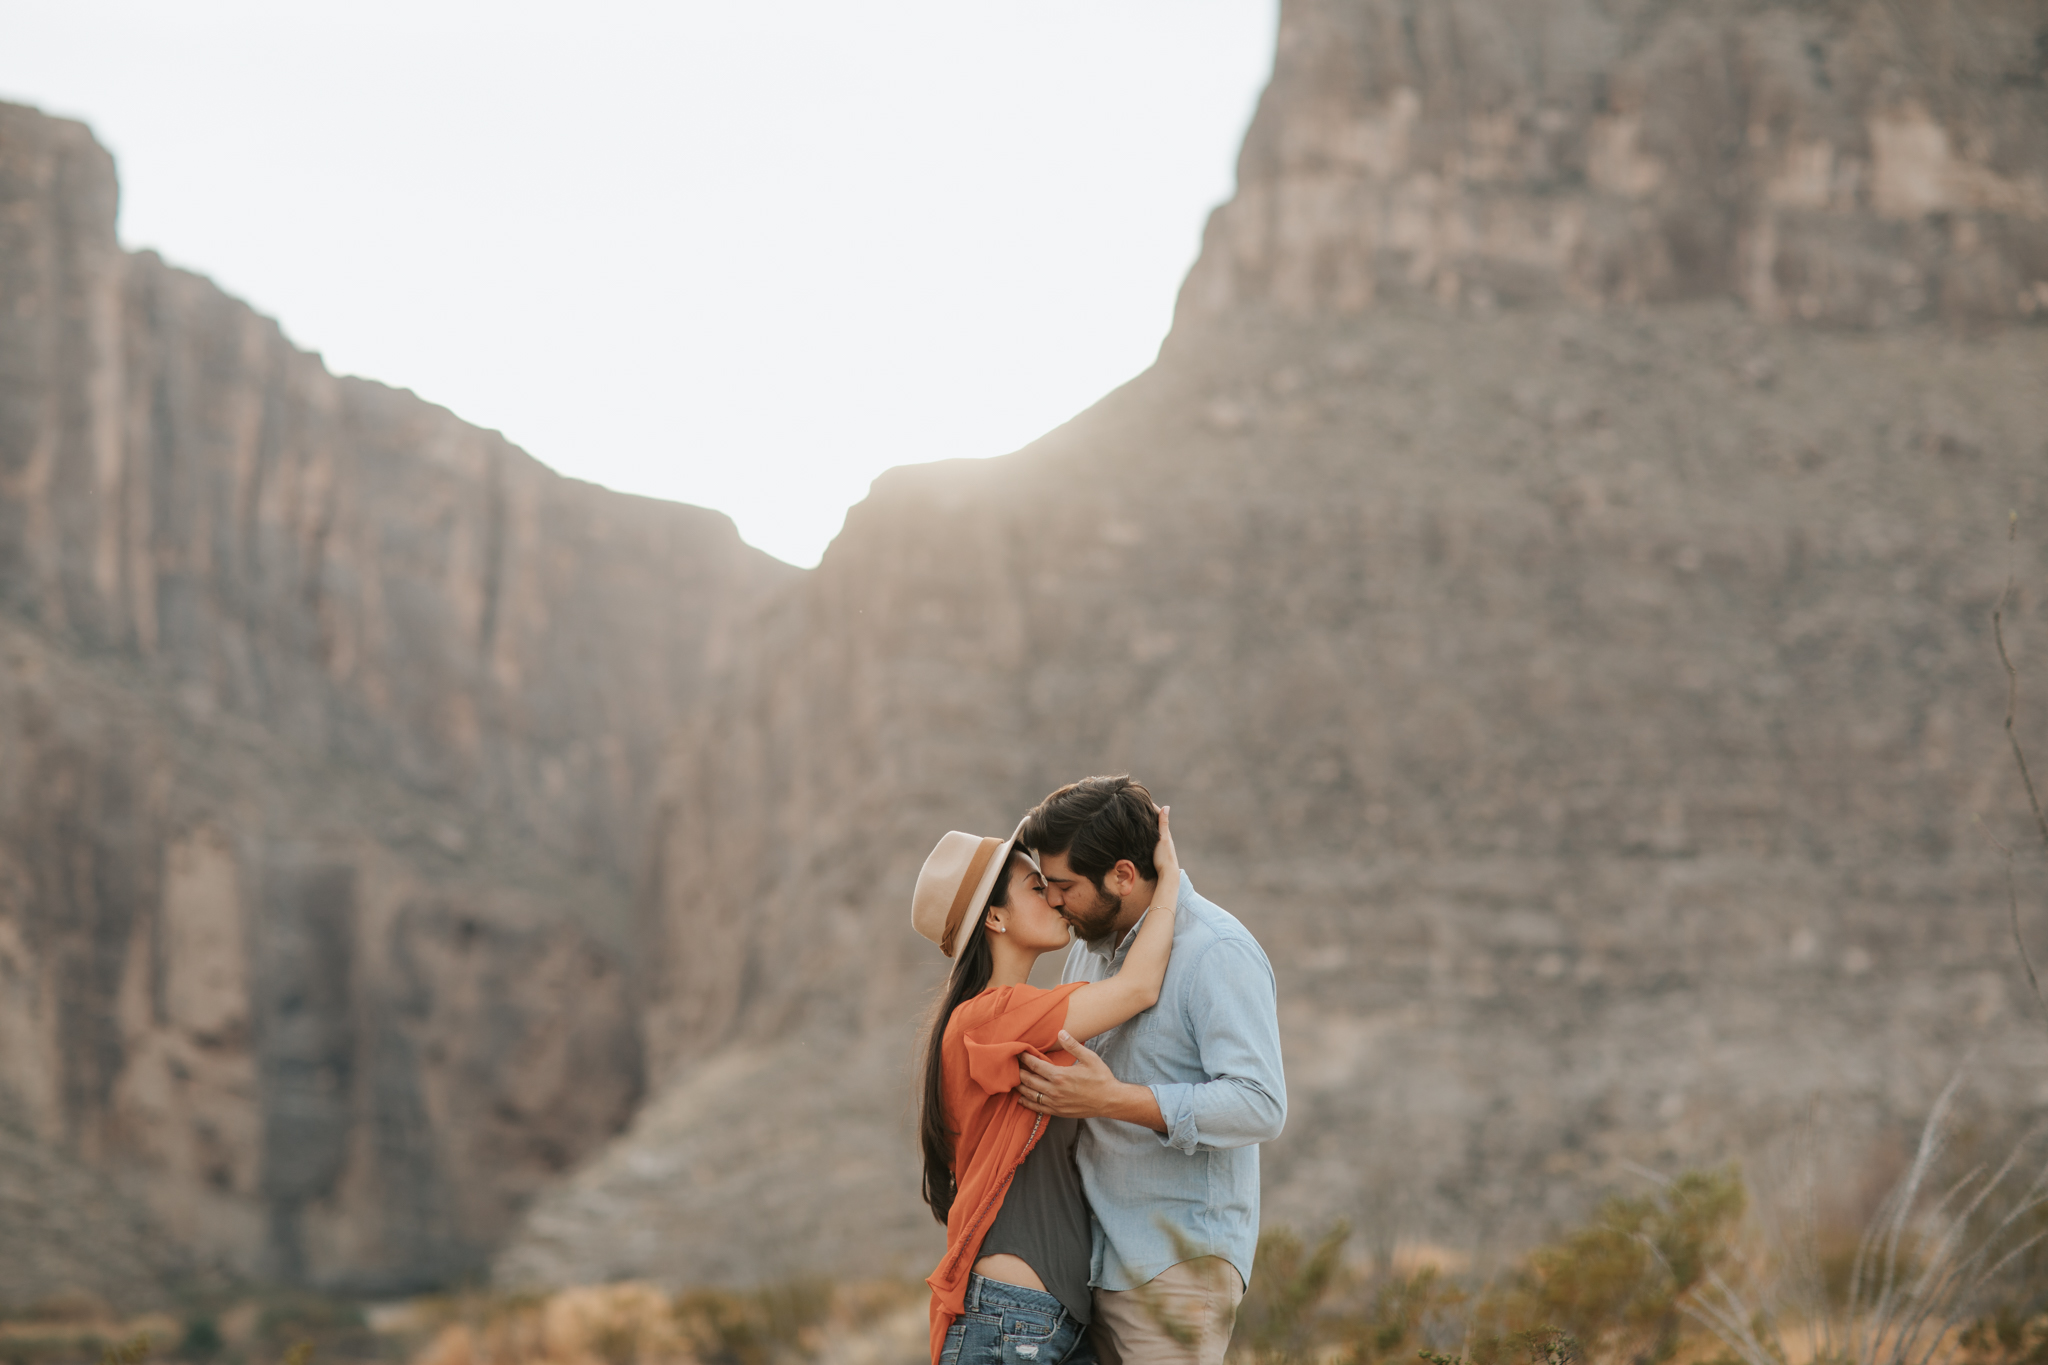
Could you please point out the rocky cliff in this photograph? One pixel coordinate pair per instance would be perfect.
(1548, 571)
(325, 736)
(1843, 162)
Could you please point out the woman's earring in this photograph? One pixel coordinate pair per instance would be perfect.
(999, 928)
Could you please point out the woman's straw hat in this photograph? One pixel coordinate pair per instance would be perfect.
(954, 884)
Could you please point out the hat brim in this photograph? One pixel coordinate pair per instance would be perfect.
(977, 908)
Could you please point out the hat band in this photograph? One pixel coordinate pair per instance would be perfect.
(976, 865)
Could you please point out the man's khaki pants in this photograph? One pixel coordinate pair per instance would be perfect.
(1182, 1317)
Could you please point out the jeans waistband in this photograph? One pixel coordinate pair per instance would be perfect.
(993, 1296)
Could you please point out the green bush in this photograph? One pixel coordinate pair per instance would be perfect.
(1615, 1291)
(1617, 1285)
(202, 1339)
(1277, 1321)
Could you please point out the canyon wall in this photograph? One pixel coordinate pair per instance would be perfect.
(1840, 162)
(326, 725)
(1549, 572)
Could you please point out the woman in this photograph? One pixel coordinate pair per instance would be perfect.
(1013, 1287)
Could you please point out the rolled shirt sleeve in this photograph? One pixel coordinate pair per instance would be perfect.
(1232, 1009)
(1209, 1052)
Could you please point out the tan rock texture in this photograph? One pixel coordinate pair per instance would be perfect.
(1570, 657)
(67, 1230)
(1848, 161)
(1590, 715)
(1548, 570)
(328, 728)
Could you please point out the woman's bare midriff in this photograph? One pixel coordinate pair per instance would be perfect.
(1008, 1269)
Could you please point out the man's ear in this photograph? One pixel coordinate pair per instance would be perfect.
(1125, 876)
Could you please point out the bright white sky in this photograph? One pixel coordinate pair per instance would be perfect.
(746, 255)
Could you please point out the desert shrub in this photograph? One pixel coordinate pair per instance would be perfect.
(132, 1351)
(770, 1325)
(626, 1323)
(1277, 1323)
(1945, 1273)
(67, 1338)
(1614, 1290)
(636, 1323)
(1409, 1314)
(1536, 1346)
(290, 1320)
(1306, 1304)
(202, 1339)
(51, 1348)
(2005, 1337)
(1616, 1287)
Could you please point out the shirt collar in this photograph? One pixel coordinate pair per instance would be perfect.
(1121, 946)
(1111, 947)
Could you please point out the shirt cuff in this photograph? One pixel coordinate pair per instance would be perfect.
(1177, 1107)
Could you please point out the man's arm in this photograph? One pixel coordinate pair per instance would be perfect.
(1237, 1028)
(1087, 1089)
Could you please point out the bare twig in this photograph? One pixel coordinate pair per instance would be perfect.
(2012, 688)
(2012, 905)
(2019, 758)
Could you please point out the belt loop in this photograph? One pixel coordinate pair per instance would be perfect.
(974, 1284)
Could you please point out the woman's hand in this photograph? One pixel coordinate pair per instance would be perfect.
(1135, 988)
(1164, 859)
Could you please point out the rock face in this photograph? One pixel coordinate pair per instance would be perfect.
(1589, 715)
(67, 1230)
(1549, 572)
(1844, 162)
(325, 723)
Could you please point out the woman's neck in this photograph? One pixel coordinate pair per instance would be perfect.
(1012, 963)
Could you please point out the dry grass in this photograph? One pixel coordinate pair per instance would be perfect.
(1612, 1290)
(1947, 1272)
(1937, 1267)
(1952, 1269)
(275, 1327)
(793, 1323)
(77, 1327)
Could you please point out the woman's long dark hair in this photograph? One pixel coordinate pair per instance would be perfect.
(971, 971)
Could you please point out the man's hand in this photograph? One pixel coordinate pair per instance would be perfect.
(1085, 1090)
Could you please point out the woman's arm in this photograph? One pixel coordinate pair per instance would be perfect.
(1102, 1005)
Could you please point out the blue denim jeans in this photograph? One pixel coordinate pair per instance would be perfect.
(1007, 1324)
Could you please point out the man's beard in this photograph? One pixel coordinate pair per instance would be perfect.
(1096, 919)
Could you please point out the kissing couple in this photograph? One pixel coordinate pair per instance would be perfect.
(1092, 1149)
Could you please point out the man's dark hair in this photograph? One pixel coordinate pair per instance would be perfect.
(1096, 822)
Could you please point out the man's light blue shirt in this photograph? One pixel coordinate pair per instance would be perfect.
(1210, 1052)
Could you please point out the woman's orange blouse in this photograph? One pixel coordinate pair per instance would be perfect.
(992, 1132)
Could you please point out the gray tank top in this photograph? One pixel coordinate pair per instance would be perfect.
(1044, 1219)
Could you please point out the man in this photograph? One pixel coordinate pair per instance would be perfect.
(1169, 1153)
